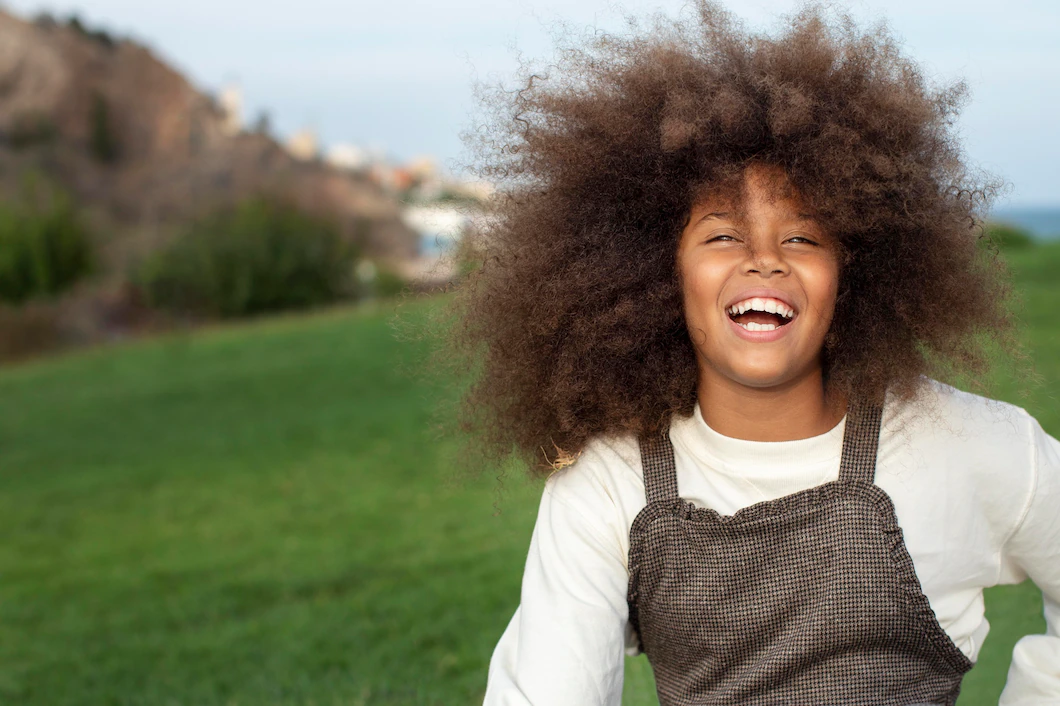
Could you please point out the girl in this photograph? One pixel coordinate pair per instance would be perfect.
(724, 268)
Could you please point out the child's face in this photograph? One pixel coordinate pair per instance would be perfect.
(775, 258)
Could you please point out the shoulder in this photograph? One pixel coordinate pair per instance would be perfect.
(961, 470)
(968, 443)
(976, 455)
(605, 462)
(941, 413)
(603, 488)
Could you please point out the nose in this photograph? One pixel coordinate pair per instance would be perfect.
(766, 262)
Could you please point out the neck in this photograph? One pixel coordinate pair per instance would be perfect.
(796, 410)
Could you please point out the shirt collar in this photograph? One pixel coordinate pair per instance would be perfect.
(740, 455)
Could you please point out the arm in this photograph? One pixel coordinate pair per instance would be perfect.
(564, 645)
(1034, 551)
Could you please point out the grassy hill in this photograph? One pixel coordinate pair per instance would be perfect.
(262, 514)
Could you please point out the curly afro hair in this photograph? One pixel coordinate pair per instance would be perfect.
(573, 322)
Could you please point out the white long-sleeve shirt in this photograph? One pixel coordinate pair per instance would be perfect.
(976, 488)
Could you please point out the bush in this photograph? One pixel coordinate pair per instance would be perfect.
(101, 141)
(263, 255)
(44, 246)
(102, 36)
(45, 20)
(389, 283)
(31, 129)
(1007, 236)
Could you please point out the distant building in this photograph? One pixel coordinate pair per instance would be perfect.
(348, 157)
(392, 179)
(231, 103)
(422, 167)
(478, 190)
(440, 227)
(304, 145)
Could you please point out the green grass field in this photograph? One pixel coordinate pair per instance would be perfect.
(261, 514)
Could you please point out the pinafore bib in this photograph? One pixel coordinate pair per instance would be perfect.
(809, 599)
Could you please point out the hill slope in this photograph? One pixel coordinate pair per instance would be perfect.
(128, 134)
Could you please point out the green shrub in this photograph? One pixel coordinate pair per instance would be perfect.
(1006, 236)
(263, 255)
(388, 283)
(379, 281)
(44, 246)
(101, 141)
(99, 35)
(30, 129)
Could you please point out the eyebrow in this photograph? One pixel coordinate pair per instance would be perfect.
(726, 214)
(714, 214)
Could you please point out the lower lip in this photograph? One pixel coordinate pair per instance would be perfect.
(761, 336)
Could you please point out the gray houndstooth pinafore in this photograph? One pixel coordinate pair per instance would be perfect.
(807, 599)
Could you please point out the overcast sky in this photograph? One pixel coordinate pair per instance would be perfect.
(397, 75)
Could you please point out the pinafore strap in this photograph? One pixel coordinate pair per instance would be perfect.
(660, 472)
(860, 440)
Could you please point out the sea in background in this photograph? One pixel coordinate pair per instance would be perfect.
(1042, 222)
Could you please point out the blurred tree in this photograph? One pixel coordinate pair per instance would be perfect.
(44, 245)
(30, 129)
(262, 255)
(98, 35)
(1006, 236)
(263, 123)
(45, 20)
(101, 140)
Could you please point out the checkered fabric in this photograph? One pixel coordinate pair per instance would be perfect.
(809, 599)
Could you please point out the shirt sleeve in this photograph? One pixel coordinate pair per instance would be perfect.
(1033, 552)
(564, 645)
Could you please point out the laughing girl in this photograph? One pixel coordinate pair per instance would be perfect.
(724, 272)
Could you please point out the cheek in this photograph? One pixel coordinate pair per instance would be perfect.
(823, 284)
(701, 284)
(694, 290)
(696, 306)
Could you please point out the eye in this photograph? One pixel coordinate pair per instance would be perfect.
(801, 239)
(722, 237)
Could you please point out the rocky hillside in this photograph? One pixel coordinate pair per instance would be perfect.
(132, 138)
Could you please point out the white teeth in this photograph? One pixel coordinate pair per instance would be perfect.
(770, 306)
(752, 326)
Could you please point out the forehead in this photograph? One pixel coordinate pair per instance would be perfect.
(755, 188)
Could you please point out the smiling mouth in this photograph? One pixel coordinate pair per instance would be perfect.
(761, 314)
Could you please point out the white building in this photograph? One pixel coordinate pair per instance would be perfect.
(348, 157)
(479, 190)
(231, 103)
(440, 227)
(304, 145)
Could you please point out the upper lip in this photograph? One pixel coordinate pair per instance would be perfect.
(762, 293)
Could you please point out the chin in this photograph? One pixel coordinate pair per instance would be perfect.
(763, 377)
(761, 382)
